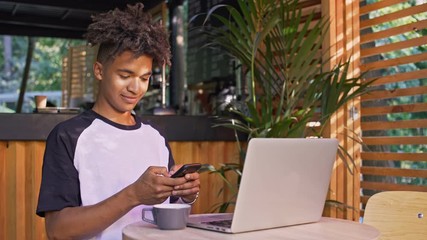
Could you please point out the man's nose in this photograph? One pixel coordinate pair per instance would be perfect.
(134, 85)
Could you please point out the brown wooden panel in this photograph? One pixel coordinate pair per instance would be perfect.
(20, 192)
(214, 153)
(399, 172)
(378, 5)
(383, 94)
(399, 77)
(371, 111)
(385, 125)
(394, 62)
(387, 156)
(393, 16)
(414, 42)
(394, 140)
(3, 188)
(393, 31)
(392, 186)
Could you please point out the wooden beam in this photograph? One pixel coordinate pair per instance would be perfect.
(399, 77)
(390, 156)
(392, 186)
(386, 125)
(393, 16)
(416, 107)
(393, 31)
(394, 140)
(394, 93)
(398, 172)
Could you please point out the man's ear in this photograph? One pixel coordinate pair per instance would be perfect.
(97, 70)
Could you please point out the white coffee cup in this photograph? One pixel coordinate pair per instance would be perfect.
(168, 216)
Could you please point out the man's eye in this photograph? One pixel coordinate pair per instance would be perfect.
(124, 76)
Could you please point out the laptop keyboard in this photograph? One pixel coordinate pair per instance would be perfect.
(220, 223)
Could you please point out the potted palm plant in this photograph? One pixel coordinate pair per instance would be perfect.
(288, 81)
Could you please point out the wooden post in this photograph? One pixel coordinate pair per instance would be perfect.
(342, 43)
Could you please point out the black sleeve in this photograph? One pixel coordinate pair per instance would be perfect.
(60, 186)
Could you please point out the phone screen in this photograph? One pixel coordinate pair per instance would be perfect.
(187, 168)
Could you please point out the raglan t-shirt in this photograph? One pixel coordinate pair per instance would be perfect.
(89, 158)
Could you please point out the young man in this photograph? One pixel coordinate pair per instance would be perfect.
(101, 167)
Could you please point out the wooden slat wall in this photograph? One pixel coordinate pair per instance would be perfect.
(377, 104)
(342, 43)
(20, 177)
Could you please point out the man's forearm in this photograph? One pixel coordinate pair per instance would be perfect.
(88, 221)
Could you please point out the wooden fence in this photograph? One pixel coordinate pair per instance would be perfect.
(394, 119)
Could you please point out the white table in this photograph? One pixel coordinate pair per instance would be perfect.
(326, 228)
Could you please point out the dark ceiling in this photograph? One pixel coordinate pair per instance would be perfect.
(55, 18)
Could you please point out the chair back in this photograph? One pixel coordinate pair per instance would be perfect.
(398, 214)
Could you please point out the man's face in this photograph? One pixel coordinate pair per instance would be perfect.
(123, 82)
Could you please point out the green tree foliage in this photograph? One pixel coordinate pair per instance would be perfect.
(46, 66)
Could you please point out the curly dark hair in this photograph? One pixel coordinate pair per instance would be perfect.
(132, 30)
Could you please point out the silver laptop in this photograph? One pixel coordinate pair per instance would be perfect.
(284, 182)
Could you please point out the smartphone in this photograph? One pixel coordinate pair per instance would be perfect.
(187, 168)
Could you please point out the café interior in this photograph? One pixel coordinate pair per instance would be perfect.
(381, 132)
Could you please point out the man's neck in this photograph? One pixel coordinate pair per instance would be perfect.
(123, 118)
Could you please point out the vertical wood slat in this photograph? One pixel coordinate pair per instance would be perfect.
(10, 171)
(21, 188)
(343, 43)
(340, 42)
(3, 187)
(328, 10)
(40, 232)
(353, 50)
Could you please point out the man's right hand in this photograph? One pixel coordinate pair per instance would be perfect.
(154, 186)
